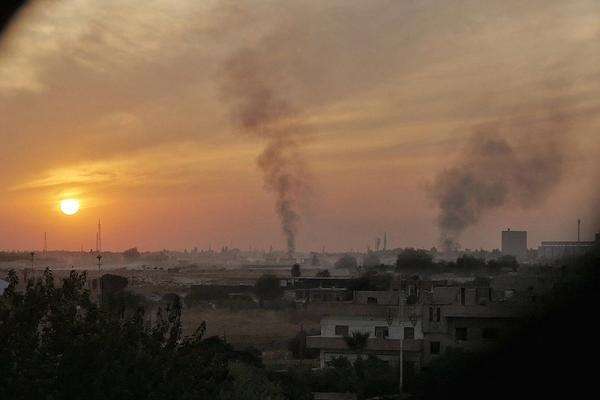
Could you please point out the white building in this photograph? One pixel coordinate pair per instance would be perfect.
(384, 338)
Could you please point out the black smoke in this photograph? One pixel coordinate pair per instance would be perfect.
(515, 163)
(255, 87)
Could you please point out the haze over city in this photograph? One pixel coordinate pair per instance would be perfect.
(147, 119)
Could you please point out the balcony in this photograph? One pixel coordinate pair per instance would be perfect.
(373, 344)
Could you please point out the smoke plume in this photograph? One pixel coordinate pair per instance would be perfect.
(255, 87)
(516, 164)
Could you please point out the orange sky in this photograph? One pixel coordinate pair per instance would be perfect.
(119, 104)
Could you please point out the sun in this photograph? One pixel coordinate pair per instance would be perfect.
(69, 206)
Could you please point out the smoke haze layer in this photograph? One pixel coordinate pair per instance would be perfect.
(515, 163)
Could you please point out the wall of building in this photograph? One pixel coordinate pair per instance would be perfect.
(514, 243)
(368, 325)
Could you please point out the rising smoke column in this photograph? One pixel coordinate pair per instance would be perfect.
(254, 85)
(515, 164)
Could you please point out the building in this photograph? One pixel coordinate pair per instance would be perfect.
(470, 318)
(466, 318)
(385, 336)
(551, 250)
(514, 243)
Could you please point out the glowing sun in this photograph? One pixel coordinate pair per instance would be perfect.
(69, 206)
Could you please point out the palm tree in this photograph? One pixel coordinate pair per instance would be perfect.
(357, 342)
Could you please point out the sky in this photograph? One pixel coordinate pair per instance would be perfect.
(133, 107)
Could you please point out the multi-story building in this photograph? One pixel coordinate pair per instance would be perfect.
(387, 335)
(467, 318)
(514, 243)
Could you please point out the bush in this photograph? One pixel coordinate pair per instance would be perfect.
(297, 346)
(267, 288)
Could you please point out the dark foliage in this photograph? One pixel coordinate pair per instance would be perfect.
(346, 261)
(267, 288)
(370, 280)
(55, 343)
(324, 273)
(298, 346)
(502, 262)
(414, 260)
(296, 270)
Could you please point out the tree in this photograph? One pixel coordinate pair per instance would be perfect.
(324, 273)
(505, 261)
(298, 346)
(56, 343)
(131, 254)
(296, 270)
(469, 263)
(346, 261)
(371, 280)
(414, 259)
(371, 260)
(267, 288)
(357, 342)
(251, 383)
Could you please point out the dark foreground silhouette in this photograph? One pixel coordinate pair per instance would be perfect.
(56, 343)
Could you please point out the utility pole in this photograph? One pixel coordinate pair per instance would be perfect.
(99, 257)
(401, 300)
(390, 321)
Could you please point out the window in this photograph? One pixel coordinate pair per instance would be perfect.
(463, 294)
(434, 347)
(461, 334)
(381, 332)
(438, 314)
(409, 332)
(430, 314)
(371, 300)
(490, 333)
(341, 330)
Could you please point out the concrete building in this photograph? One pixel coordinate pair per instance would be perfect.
(384, 338)
(470, 319)
(514, 243)
(551, 250)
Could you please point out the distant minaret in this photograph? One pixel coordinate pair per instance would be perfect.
(578, 230)
(384, 241)
(99, 238)
(45, 243)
